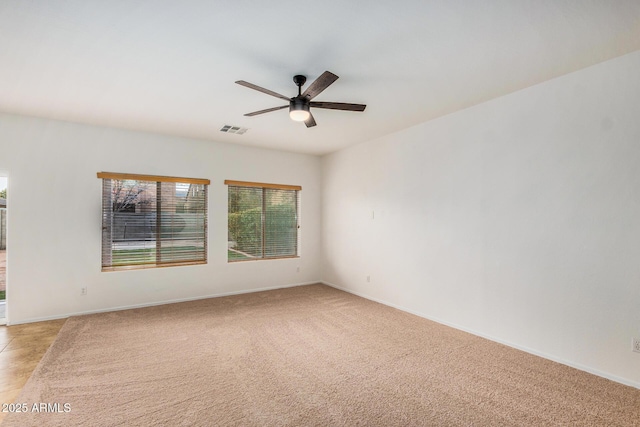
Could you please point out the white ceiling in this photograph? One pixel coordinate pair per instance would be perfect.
(169, 66)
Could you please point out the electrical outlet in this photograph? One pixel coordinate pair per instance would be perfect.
(298, 270)
(636, 345)
(83, 291)
(368, 279)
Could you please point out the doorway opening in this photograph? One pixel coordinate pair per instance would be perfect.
(3, 249)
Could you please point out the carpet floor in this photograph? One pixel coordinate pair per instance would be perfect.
(303, 356)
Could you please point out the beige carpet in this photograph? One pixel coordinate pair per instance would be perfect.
(305, 356)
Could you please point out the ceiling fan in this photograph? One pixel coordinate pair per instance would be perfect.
(300, 105)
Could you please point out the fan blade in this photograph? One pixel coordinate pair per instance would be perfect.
(338, 106)
(310, 122)
(261, 89)
(268, 110)
(320, 84)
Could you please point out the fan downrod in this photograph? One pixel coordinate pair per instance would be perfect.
(299, 81)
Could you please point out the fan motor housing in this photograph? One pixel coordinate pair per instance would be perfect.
(299, 103)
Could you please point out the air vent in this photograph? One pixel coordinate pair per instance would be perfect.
(233, 129)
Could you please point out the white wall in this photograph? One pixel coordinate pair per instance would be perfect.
(54, 229)
(517, 219)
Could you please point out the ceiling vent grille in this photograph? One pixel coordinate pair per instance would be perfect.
(233, 129)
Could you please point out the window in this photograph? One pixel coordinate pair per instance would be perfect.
(263, 220)
(152, 221)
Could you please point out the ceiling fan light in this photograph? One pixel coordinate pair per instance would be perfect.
(299, 109)
(299, 115)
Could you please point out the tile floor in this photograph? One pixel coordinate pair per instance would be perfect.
(21, 348)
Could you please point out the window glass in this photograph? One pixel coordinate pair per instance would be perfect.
(263, 222)
(153, 222)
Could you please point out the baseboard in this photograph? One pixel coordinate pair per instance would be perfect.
(494, 339)
(152, 304)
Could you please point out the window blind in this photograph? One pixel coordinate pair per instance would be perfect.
(152, 221)
(263, 221)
